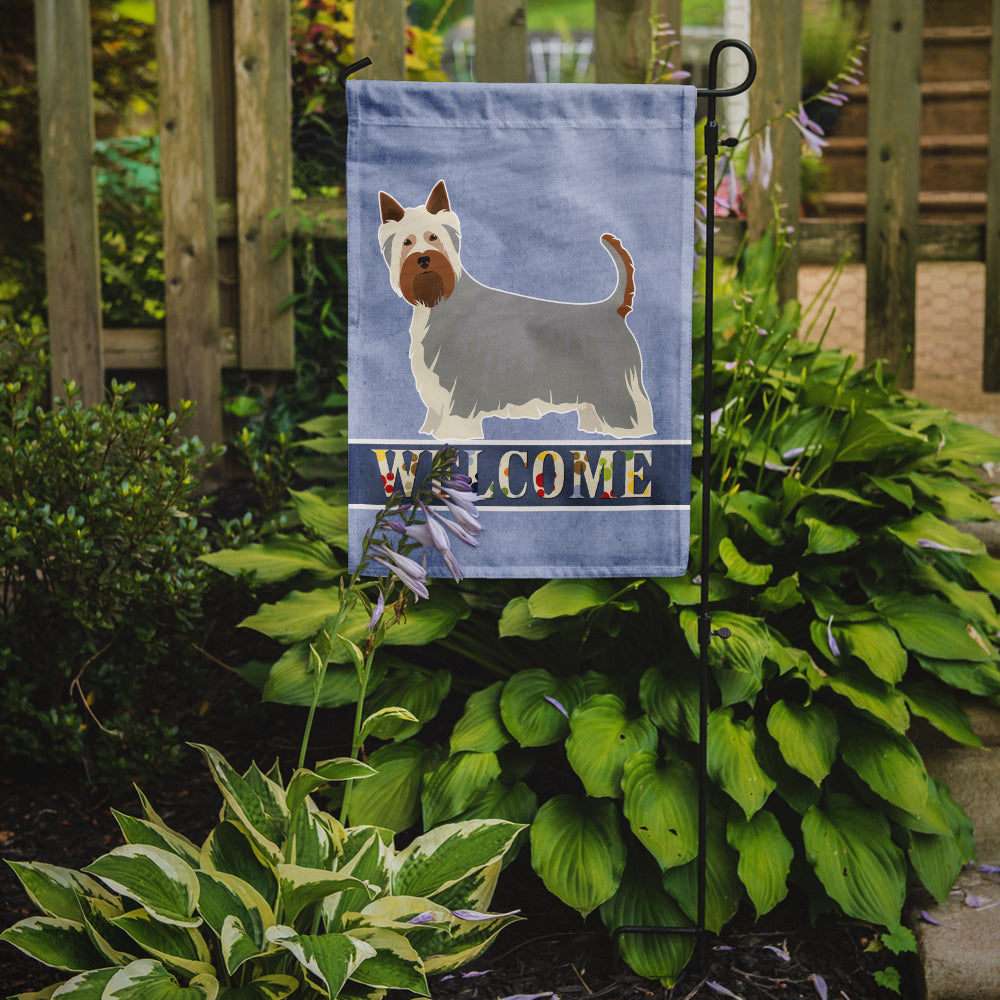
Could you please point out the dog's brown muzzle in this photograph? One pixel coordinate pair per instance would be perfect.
(426, 278)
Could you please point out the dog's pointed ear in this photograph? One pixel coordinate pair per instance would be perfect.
(392, 211)
(437, 200)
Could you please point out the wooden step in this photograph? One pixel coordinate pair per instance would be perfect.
(957, 206)
(956, 53)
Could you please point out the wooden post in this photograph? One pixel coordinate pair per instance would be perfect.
(72, 256)
(776, 35)
(501, 36)
(893, 183)
(380, 34)
(991, 333)
(669, 11)
(190, 254)
(262, 60)
(622, 40)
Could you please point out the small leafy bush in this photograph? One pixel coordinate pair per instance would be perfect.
(855, 605)
(280, 899)
(99, 546)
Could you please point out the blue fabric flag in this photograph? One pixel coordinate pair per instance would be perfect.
(520, 261)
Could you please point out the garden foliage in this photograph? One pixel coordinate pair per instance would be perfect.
(99, 546)
(854, 603)
(280, 899)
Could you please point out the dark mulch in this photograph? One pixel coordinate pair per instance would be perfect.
(551, 951)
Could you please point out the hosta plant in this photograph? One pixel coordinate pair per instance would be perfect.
(279, 900)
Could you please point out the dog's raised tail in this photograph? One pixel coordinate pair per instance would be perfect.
(626, 272)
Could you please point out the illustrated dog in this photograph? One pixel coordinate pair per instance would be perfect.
(480, 352)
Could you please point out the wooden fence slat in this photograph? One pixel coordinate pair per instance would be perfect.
(190, 253)
(776, 36)
(991, 332)
(893, 184)
(380, 34)
(501, 41)
(621, 40)
(72, 256)
(262, 61)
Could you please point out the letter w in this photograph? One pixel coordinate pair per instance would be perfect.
(401, 473)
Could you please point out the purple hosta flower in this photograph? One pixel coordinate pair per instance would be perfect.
(728, 195)
(927, 543)
(780, 952)
(410, 573)
(760, 165)
(719, 988)
(438, 538)
(465, 975)
(927, 918)
(820, 983)
(811, 132)
(475, 915)
(377, 612)
(463, 527)
(834, 648)
(427, 917)
(989, 869)
(558, 705)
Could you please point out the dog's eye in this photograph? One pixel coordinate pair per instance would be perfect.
(407, 242)
(431, 238)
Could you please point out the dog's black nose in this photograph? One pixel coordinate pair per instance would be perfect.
(424, 262)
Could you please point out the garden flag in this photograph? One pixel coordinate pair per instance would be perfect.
(520, 274)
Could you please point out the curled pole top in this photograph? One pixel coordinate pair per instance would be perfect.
(713, 90)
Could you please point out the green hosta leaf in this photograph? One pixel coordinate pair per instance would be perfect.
(931, 628)
(54, 941)
(738, 661)
(758, 511)
(301, 887)
(827, 539)
(965, 443)
(261, 809)
(530, 706)
(765, 858)
(783, 595)
(850, 847)
(147, 979)
(888, 763)
(440, 858)
(515, 803)
(279, 558)
(56, 891)
(395, 964)
(937, 859)
(391, 798)
(870, 435)
(976, 678)
(684, 592)
(893, 488)
(671, 699)
(641, 901)
(986, 571)
(559, 598)
(418, 690)
(226, 898)
(941, 709)
(386, 723)
(481, 728)
(230, 849)
(578, 851)
(723, 889)
(928, 528)
(807, 736)
(957, 501)
(732, 760)
(327, 520)
(304, 782)
(159, 881)
(291, 680)
(141, 831)
(330, 959)
(275, 987)
(976, 605)
(602, 738)
(739, 569)
(456, 784)
(876, 646)
(517, 620)
(865, 692)
(180, 948)
(661, 799)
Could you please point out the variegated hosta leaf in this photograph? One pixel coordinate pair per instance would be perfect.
(177, 947)
(395, 964)
(158, 880)
(86, 986)
(642, 902)
(225, 897)
(147, 979)
(535, 706)
(56, 891)
(476, 890)
(807, 736)
(661, 799)
(732, 760)
(578, 851)
(481, 727)
(304, 782)
(273, 987)
(391, 799)
(54, 941)
(366, 855)
(315, 838)
(256, 801)
(230, 849)
(98, 915)
(456, 784)
(602, 737)
(888, 763)
(441, 857)
(723, 889)
(466, 941)
(141, 831)
(300, 887)
(329, 959)
(765, 858)
(850, 847)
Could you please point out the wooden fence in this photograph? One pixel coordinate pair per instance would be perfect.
(226, 160)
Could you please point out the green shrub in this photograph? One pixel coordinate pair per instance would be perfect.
(99, 542)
